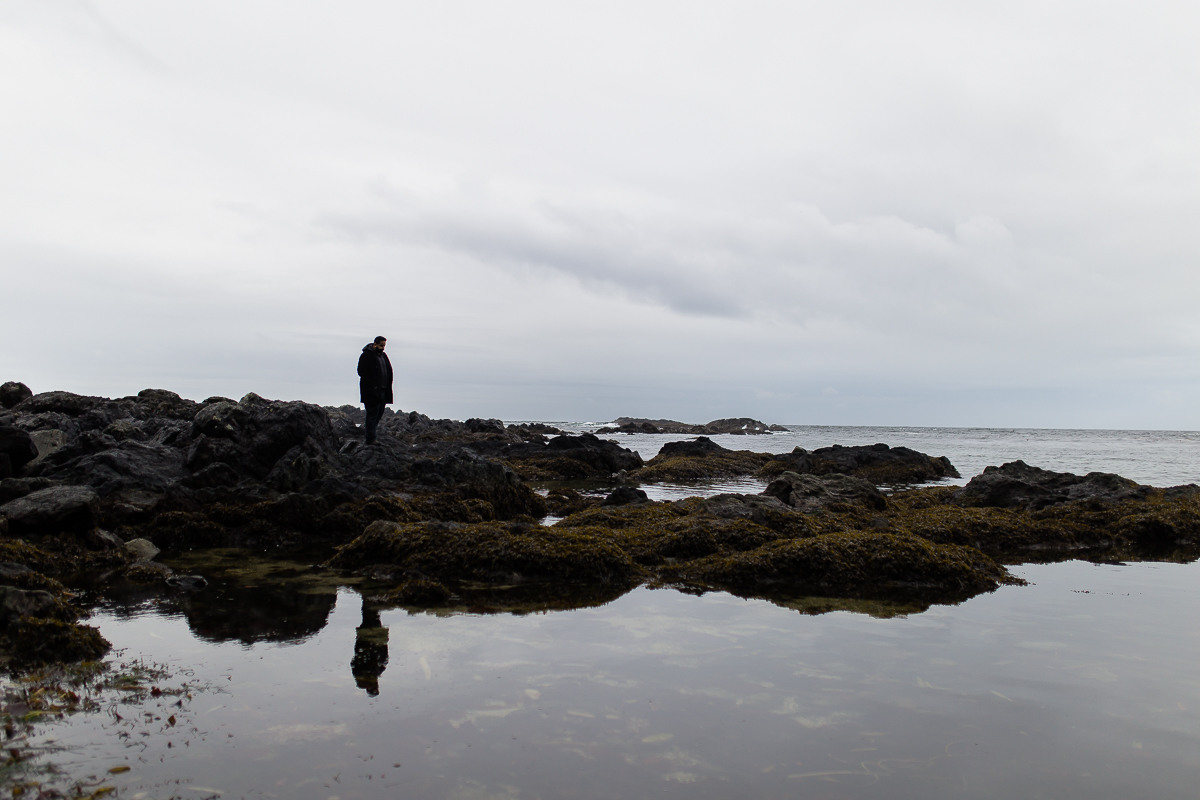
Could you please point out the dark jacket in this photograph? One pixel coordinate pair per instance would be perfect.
(374, 377)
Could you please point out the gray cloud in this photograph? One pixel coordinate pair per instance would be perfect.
(859, 212)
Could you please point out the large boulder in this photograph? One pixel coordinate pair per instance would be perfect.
(816, 492)
(568, 457)
(59, 509)
(130, 464)
(1018, 485)
(18, 446)
(877, 463)
(12, 393)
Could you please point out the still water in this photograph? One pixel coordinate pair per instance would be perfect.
(1081, 684)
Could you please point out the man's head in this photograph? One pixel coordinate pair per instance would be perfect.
(380, 343)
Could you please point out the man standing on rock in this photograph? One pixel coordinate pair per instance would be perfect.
(374, 383)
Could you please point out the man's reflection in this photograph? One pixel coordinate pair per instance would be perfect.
(370, 651)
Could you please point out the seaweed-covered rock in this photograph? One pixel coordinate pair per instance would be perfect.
(489, 552)
(55, 510)
(832, 492)
(1018, 485)
(32, 641)
(656, 533)
(870, 565)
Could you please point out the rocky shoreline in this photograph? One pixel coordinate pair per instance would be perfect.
(441, 513)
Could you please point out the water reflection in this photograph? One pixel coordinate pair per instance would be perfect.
(1080, 684)
(370, 651)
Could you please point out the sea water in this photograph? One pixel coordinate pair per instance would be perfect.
(1081, 684)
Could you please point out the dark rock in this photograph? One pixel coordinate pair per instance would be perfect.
(10, 570)
(125, 429)
(48, 442)
(224, 419)
(18, 446)
(59, 509)
(571, 457)
(6, 467)
(12, 488)
(128, 465)
(162, 403)
(696, 448)
(12, 393)
(625, 495)
(205, 451)
(1018, 485)
(739, 426)
(147, 572)
(189, 582)
(142, 549)
(877, 463)
(72, 405)
(815, 492)
(561, 501)
(294, 470)
(485, 426)
(28, 603)
(217, 473)
(100, 539)
(337, 490)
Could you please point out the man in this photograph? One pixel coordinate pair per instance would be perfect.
(374, 383)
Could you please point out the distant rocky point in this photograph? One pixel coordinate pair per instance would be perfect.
(738, 426)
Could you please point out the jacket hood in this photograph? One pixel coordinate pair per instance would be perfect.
(369, 348)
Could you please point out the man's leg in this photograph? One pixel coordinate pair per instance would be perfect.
(374, 414)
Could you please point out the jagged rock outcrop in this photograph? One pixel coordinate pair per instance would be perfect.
(1018, 485)
(877, 463)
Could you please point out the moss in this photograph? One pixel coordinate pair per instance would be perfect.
(35, 558)
(864, 565)
(490, 552)
(733, 464)
(1130, 528)
(660, 533)
(554, 468)
(33, 641)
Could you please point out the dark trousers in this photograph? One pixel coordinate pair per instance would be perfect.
(374, 414)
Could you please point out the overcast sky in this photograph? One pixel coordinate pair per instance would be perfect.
(915, 213)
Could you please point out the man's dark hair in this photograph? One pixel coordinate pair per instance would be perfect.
(379, 339)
